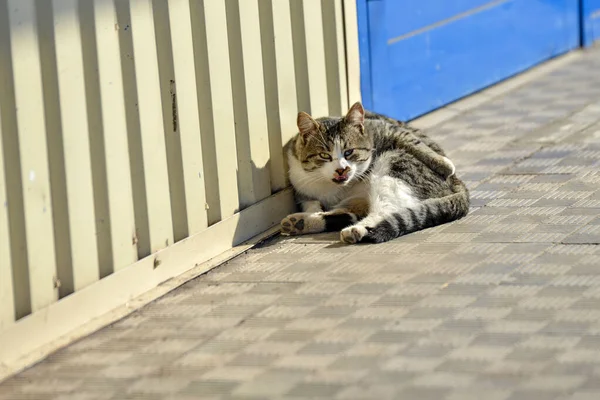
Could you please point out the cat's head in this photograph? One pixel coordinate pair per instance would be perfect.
(335, 149)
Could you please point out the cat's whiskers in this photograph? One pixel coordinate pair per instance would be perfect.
(309, 178)
(363, 178)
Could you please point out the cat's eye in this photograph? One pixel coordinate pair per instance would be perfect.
(348, 152)
(325, 156)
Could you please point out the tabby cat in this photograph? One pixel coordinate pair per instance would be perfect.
(372, 177)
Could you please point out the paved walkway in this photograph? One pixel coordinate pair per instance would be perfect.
(504, 304)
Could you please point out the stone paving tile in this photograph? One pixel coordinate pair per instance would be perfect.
(503, 304)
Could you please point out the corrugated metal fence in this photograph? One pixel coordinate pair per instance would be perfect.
(128, 126)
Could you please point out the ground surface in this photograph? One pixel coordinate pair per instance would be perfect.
(504, 304)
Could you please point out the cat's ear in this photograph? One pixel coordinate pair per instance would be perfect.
(306, 125)
(356, 114)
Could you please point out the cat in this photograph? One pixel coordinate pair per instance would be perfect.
(371, 177)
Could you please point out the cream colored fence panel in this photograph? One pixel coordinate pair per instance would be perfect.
(335, 57)
(252, 132)
(205, 109)
(315, 57)
(33, 152)
(7, 303)
(350, 22)
(187, 114)
(222, 107)
(75, 133)
(141, 138)
(11, 172)
(280, 83)
(300, 57)
(171, 131)
(114, 124)
(151, 123)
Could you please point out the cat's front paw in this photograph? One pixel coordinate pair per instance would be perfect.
(451, 168)
(353, 234)
(293, 224)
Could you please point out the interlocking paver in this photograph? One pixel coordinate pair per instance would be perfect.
(503, 304)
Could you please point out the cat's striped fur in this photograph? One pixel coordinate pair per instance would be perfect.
(372, 177)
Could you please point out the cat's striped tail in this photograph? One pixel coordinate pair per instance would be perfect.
(429, 213)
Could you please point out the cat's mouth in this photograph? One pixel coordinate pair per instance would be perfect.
(340, 179)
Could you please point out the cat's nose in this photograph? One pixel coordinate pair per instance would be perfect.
(341, 171)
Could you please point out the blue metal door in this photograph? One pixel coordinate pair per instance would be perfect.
(419, 55)
(590, 12)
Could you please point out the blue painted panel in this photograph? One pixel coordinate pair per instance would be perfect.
(591, 21)
(455, 57)
(407, 16)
